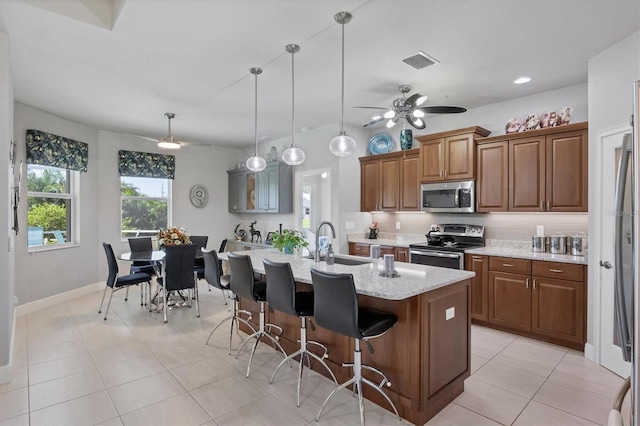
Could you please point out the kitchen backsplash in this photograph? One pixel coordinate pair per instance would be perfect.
(498, 226)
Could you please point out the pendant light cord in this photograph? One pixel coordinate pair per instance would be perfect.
(293, 95)
(342, 113)
(255, 122)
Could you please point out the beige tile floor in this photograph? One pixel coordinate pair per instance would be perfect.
(71, 367)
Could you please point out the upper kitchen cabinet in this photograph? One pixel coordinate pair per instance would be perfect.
(542, 170)
(268, 191)
(389, 182)
(449, 156)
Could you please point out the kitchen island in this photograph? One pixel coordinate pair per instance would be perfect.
(426, 355)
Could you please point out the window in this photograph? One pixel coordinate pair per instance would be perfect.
(144, 205)
(51, 203)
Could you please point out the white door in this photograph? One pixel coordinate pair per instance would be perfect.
(610, 354)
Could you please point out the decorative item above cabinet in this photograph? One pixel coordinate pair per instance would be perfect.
(447, 156)
(268, 191)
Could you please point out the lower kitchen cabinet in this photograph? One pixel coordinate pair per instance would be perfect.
(479, 286)
(401, 254)
(539, 299)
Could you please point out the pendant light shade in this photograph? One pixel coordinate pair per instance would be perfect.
(293, 155)
(256, 163)
(342, 145)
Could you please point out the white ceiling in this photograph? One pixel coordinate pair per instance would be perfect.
(119, 65)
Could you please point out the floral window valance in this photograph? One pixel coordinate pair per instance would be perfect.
(145, 164)
(52, 150)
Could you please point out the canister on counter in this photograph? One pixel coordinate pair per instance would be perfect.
(539, 244)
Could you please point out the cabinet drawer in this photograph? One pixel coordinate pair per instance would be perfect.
(358, 249)
(510, 264)
(559, 270)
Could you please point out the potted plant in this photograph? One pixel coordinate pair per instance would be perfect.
(288, 240)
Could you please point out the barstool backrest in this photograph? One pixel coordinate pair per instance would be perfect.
(242, 281)
(281, 287)
(336, 303)
(211, 268)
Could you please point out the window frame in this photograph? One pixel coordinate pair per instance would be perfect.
(72, 237)
(168, 199)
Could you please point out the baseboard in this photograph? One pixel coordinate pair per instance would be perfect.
(590, 352)
(6, 371)
(47, 302)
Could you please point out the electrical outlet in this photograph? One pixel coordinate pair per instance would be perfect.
(540, 230)
(450, 313)
(397, 225)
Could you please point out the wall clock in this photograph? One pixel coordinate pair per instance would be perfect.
(199, 196)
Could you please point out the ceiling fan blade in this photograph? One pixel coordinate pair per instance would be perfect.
(142, 137)
(442, 109)
(416, 99)
(372, 107)
(374, 121)
(196, 143)
(416, 122)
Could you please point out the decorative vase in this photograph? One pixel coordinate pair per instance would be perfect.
(288, 249)
(406, 139)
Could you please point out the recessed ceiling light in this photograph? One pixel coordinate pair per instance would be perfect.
(522, 80)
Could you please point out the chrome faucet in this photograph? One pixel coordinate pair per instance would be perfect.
(333, 231)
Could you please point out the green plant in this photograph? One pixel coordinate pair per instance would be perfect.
(288, 240)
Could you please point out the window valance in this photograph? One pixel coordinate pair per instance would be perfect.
(146, 164)
(52, 150)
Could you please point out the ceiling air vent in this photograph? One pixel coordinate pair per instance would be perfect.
(420, 60)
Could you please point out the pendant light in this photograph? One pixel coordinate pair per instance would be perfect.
(293, 155)
(256, 163)
(342, 145)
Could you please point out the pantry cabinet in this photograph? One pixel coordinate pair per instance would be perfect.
(389, 182)
(539, 299)
(543, 170)
(449, 156)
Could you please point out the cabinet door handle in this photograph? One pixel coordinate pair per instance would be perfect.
(548, 205)
(441, 173)
(541, 205)
(526, 283)
(445, 173)
(534, 283)
(476, 257)
(558, 271)
(508, 265)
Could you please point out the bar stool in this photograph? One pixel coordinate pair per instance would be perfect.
(282, 296)
(336, 309)
(244, 284)
(214, 278)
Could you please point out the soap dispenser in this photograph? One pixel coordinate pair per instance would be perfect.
(330, 256)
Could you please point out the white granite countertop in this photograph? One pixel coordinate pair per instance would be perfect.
(527, 254)
(414, 279)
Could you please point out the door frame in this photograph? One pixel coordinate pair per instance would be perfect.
(595, 288)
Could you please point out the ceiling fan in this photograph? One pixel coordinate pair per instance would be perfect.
(170, 142)
(409, 108)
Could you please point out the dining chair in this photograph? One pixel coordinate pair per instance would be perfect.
(199, 241)
(116, 282)
(141, 245)
(179, 273)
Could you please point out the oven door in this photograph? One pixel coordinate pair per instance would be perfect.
(451, 260)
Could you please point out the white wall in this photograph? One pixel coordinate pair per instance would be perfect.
(195, 165)
(6, 214)
(47, 273)
(611, 77)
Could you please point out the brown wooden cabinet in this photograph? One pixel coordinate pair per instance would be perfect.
(538, 171)
(401, 254)
(479, 286)
(539, 299)
(449, 155)
(389, 182)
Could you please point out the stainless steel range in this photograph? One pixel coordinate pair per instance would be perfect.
(446, 244)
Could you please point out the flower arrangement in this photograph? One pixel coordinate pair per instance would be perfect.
(288, 240)
(172, 236)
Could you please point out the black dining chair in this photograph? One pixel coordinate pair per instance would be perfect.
(141, 245)
(336, 309)
(244, 284)
(179, 274)
(201, 242)
(116, 282)
(282, 296)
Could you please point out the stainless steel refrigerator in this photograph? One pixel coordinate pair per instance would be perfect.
(627, 262)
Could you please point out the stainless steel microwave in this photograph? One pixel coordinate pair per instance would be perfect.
(448, 197)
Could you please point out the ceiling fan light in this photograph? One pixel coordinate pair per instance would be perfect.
(389, 114)
(342, 145)
(168, 144)
(418, 123)
(256, 163)
(417, 113)
(391, 123)
(293, 156)
(422, 99)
